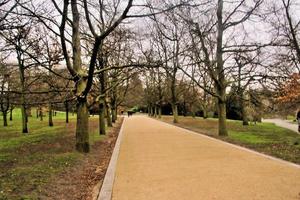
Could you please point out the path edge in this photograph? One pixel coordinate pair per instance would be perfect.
(107, 185)
(233, 145)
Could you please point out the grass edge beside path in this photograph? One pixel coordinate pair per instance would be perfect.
(29, 163)
(266, 138)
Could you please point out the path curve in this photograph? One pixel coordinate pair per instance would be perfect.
(163, 162)
(283, 123)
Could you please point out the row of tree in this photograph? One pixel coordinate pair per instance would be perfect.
(250, 48)
(188, 54)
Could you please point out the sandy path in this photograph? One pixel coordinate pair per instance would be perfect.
(158, 161)
(283, 123)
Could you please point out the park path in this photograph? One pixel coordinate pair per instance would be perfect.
(163, 162)
(283, 123)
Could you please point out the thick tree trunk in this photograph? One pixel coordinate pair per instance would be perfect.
(102, 130)
(50, 120)
(175, 113)
(222, 118)
(155, 111)
(4, 113)
(82, 126)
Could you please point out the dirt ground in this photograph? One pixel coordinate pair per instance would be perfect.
(83, 180)
(163, 162)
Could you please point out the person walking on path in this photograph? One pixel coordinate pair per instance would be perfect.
(298, 119)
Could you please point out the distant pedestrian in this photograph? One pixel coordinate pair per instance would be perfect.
(298, 119)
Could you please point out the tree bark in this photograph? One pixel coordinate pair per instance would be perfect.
(243, 111)
(24, 121)
(11, 115)
(222, 118)
(151, 111)
(114, 103)
(108, 114)
(174, 99)
(4, 118)
(175, 113)
(102, 130)
(37, 113)
(41, 114)
(159, 111)
(22, 81)
(113, 115)
(67, 111)
(50, 122)
(220, 83)
(82, 126)
(204, 112)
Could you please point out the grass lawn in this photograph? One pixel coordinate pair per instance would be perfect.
(263, 137)
(27, 162)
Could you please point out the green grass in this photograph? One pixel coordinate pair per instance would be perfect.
(263, 137)
(27, 162)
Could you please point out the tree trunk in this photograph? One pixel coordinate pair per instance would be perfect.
(244, 112)
(41, 114)
(114, 103)
(37, 113)
(155, 111)
(175, 113)
(220, 83)
(222, 118)
(102, 130)
(23, 108)
(82, 126)
(204, 112)
(116, 113)
(67, 111)
(108, 114)
(174, 99)
(11, 115)
(159, 112)
(4, 118)
(113, 115)
(193, 114)
(50, 115)
(24, 121)
(151, 111)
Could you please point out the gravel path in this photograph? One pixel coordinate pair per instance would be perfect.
(283, 123)
(163, 162)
